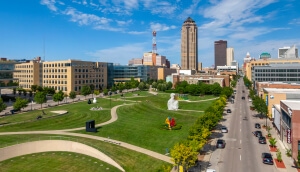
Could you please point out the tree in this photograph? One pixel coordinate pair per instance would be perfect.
(85, 90)
(272, 142)
(154, 85)
(141, 86)
(20, 103)
(24, 93)
(14, 91)
(227, 91)
(216, 89)
(34, 88)
(169, 85)
(72, 95)
(96, 92)
(183, 155)
(105, 91)
(260, 105)
(30, 93)
(59, 96)
(2, 105)
(92, 87)
(40, 98)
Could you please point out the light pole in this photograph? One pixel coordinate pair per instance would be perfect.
(31, 104)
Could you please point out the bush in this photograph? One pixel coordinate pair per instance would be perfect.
(278, 155)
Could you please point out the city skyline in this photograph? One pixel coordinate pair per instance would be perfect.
(117, 31)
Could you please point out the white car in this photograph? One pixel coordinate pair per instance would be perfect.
(250, 100)
(224, 129)
(211, 170)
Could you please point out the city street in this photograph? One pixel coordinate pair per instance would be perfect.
(242, 151)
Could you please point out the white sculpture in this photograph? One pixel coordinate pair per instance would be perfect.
(94, 101)
(172, 103)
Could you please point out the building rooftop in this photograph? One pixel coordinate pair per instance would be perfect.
(294, 105)
(281, 90)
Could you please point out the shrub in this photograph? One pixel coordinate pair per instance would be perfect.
(278, 155)
(272, 142)
(288, 152)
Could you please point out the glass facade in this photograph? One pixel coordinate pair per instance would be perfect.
(287, 73)
(123, 73)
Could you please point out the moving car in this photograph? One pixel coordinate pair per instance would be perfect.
(228, 111)
(250, 100)
(243, 98)
(220, 143)
(262, 140)
(257, 133)
(224, 129)
(257, 125)
(267, 158)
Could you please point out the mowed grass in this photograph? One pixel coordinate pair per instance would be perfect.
(141, 124)
(55, 162)
(130, 160)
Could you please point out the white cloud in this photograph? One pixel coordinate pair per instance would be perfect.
(123, 23)
(85, 19)
(161, 27)
(50, 4)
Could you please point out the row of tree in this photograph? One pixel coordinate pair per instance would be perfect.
(185, 153)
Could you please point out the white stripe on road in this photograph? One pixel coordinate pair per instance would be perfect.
(240, 157)
(240, 141)
(240, 130)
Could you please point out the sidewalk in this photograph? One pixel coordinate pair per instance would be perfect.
(288, 161)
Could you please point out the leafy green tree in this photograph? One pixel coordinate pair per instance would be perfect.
(233, 83)
(20, 103)
(40, 98)
(72, 95)
(40, 89)
(96, 92)
(113, 89)
(49, 90)
(260, 105)
(2, 105)
(141, 86)
(216, 89)
(85, 90)
(227, 91)
(120, 87)
(192, 89)
(154, 85)
(58, 97)
(169, 85)
(127, 85)
(92, 86)
(184, 155)
(134, 83)
(105, 91)
(34, 88)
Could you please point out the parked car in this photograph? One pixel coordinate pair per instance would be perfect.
(267, 158)
(257, 125)
(243, 98)
(220, 143)
(257, 133)
(224, 129)
(250, 100)
(262, 140)
(228, 111)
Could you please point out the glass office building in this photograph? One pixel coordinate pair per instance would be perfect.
(286, 73)
(123, 73)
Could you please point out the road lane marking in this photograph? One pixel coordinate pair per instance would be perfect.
(240, 141)
(240, 157)
(240, 130)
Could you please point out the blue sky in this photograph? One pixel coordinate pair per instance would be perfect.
(119, 30)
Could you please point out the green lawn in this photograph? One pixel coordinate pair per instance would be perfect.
(130, 160)
(55, 162)
(140, 123)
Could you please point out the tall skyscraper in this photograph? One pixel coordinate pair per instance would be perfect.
(220, 53)
(229, 56)
(189, 45)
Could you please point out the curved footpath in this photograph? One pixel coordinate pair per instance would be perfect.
(114, 117)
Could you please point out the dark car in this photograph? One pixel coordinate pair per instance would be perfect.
(228, 111)
(257, 125)
(224, 129)
(262, 140)
(220, 143)
(257, 133)
(243, 98)
(267, 158)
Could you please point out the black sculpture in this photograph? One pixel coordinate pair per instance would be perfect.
(90, 126)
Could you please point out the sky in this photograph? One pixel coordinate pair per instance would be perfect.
(119, 30)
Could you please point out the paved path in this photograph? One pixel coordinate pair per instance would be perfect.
(114, 117)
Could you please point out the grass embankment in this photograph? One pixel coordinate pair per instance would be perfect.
(130, 160)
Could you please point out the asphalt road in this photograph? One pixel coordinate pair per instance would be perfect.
(242, 151)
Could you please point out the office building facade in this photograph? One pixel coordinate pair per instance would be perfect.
(189, 45)
(220, 53)
(288, 52)
(229, 56)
